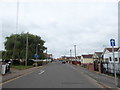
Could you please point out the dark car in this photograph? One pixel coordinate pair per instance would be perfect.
(63, 62)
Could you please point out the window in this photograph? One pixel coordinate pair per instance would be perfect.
(110, 58)
(116, 59)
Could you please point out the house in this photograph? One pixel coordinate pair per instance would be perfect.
(78, 58)
(70, 58)
(49, 56)
(97, 58)
(108, 55)
(86, 59)
(109, 61)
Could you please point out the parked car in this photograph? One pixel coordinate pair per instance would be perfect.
(63, 62)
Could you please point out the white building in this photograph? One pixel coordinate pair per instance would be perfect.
(108, 55)
(108, 58)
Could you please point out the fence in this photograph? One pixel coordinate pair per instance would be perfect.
(109, 67)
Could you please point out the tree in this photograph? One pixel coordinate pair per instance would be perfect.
(15, 46)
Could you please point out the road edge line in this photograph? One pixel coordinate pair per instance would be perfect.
(19, 76)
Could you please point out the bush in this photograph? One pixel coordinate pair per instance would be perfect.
(30, 62)
(16, 62)
(40, 63)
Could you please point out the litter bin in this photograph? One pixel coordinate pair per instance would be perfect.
(3, 70)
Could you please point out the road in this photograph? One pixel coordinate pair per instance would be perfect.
(54, 75)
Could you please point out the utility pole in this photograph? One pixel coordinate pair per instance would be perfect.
(70, 53)
(75, 51)
(17, 18)
(26, 50)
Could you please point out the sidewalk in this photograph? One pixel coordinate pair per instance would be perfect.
(15, 73)
(104, 80)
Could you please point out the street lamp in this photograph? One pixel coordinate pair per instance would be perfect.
(70, 53)
(75, 51)
(47, 56)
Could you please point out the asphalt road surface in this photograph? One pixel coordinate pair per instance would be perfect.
(54, 75)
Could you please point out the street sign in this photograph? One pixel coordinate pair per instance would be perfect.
(112, 42)
(36, 56)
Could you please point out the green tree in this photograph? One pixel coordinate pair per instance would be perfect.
(15, 46)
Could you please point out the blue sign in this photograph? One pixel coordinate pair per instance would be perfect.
(36, 56)
(112, 42)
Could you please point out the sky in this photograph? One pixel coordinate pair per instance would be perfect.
(88, 24)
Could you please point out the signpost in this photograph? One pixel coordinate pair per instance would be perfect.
(36, 56)
(112, 42)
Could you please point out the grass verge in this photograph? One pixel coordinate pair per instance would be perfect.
(21, 67)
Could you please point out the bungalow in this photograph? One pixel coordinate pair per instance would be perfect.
(86, 59)
(78, 58)
(108, 55)
(108, 59)
(97, 58)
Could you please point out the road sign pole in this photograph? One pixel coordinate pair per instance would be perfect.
(36, 50)
(114, 66)
(112, 42)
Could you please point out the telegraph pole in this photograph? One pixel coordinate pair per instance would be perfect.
(26, 50)
(17, 19)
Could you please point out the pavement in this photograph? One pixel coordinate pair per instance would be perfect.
(15, 73)
(103, 79)
(58, 75)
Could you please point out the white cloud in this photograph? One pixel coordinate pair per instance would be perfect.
(85, 1)
(87, 24)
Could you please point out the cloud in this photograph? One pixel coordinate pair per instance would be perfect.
(89, 25)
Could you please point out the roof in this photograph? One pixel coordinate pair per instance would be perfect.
(98, 54)
(110, 49)
(70, 57)
(78, 56)
(87, 56)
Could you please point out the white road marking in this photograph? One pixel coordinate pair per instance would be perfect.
(41, 72)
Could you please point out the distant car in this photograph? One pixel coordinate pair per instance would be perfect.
(63, 62)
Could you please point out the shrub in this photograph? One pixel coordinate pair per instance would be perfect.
(30, 62)
(16, 62)
(40, 63)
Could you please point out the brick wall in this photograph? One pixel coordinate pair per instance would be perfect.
(91, 67)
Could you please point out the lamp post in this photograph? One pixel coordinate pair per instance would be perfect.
(47, 56)
(75, 51)
(70, 53)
